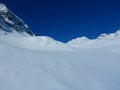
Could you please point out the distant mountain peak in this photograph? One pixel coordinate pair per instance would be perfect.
(9, 22)
(3, 8)
(104, 40)
(110, 35)
(117, 33)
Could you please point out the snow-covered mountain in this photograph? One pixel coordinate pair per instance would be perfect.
(102, 41)
(9, 22)
(29, 62)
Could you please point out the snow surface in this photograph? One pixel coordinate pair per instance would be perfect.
(42, 63)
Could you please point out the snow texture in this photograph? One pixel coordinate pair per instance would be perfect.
(42, 63)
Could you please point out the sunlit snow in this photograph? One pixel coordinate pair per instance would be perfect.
(42, 63)
(29, 62)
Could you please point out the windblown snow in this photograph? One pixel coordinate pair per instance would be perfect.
(42, 63)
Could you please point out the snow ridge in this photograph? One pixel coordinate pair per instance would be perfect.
(33, 43)
(104, 40)
(110, 35)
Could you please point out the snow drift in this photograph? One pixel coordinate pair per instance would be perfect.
(25, 69)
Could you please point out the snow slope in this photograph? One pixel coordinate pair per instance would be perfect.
(56, 66)
(32, 42)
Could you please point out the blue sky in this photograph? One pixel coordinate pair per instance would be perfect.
(67, 19)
